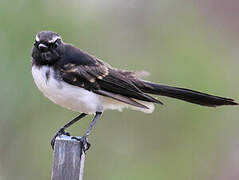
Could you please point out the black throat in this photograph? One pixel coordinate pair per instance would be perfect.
(46, 58)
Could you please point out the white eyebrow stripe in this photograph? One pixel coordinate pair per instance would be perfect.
(37, 38)
(54, 39)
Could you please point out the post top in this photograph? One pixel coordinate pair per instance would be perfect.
(67, 138)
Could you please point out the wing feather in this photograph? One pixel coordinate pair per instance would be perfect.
(121, 98)
(102, 79)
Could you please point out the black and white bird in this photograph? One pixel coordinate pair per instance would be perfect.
(76, 80)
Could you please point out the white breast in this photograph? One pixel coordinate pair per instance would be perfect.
(76, 98)
(63, 94)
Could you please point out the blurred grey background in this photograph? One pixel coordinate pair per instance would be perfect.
(191, 44)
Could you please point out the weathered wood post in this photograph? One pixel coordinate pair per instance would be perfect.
(68, 162)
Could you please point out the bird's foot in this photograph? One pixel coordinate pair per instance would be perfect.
(84, 142)
(60, 132)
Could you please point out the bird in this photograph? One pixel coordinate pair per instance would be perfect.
(81, 82)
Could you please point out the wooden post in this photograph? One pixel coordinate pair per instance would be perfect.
(68, 162)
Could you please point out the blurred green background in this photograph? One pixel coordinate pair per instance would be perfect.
(191, 44)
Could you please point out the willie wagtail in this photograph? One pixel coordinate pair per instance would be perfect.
(76, 80)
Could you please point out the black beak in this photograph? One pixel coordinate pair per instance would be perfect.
(42, 47)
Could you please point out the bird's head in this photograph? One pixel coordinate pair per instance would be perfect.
(48, 48)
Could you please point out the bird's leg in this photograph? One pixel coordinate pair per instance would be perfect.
(62, 130)
(84, 139)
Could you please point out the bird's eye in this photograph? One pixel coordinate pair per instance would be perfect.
(58, 41)
(55, 44)
(36, 43)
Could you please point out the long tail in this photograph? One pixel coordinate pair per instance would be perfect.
(185, 94)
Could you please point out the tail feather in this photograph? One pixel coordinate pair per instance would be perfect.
(186, 95)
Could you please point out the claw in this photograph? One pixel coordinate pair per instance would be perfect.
(67, 133)
(60, 132)
(83, 140)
